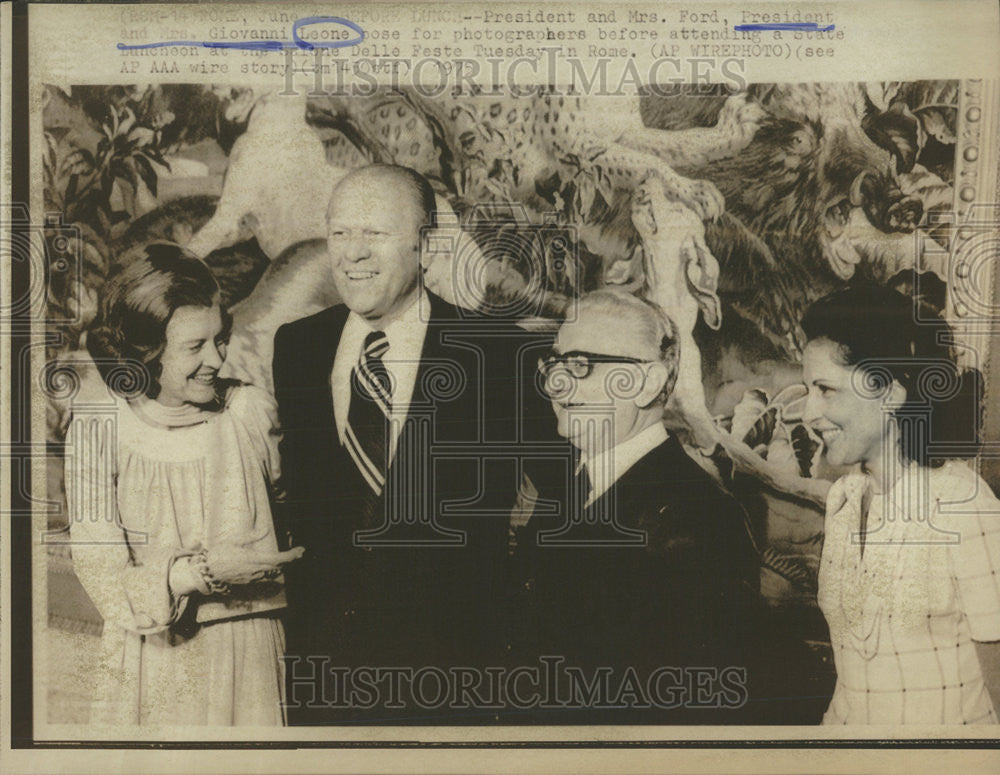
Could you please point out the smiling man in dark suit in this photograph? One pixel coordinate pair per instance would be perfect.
(401, 417)
(645, 573)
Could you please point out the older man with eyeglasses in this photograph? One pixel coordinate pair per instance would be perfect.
(641, 569)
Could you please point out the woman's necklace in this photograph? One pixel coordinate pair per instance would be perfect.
(872, 489)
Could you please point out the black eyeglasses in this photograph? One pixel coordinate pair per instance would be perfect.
(579, 363)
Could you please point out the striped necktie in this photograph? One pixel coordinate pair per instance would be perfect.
(367, 432)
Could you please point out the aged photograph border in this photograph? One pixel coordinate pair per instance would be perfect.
(21, 679)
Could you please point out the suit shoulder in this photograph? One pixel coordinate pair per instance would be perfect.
(678, 458)
(320, 321)
(494, 333)
(444, 313)
(700, 493)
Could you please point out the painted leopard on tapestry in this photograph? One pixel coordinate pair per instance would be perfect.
(486, 148)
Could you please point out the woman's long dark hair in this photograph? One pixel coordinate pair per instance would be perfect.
(130, 332)
(893, 337)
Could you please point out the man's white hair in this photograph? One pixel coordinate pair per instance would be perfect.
(658, 335)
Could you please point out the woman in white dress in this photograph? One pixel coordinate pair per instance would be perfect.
(170, 505)
(909, 578)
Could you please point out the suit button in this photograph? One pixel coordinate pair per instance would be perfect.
(349, 612)
(368, 548)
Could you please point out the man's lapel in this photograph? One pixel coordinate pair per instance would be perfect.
(642, 487)
(432, 353)
(433, 349)
(329, 332)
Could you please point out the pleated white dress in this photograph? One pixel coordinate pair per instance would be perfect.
(147, 485)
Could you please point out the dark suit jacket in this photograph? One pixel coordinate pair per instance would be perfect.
(685, 599)
(350, 605)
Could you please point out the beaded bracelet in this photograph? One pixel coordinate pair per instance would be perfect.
(211, 585)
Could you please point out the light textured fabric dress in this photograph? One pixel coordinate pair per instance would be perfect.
(147, 485)
(904, 616)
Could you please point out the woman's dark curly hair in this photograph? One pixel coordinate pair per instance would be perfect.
(894, 337)
(130, 332)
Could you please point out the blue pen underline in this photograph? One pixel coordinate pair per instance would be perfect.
(269, 45)
(785, 27)
(298, 42)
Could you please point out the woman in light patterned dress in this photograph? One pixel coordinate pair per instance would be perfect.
(169, 498)
(909, 578)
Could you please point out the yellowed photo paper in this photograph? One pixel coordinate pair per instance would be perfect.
(501, 387)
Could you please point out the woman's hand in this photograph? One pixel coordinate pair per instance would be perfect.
(241, 564)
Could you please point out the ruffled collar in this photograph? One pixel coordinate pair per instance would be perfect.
(156, 414)
(895, 576)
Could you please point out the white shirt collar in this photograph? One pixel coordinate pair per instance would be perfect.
(406, 332)
(402, 360)
(607, 467)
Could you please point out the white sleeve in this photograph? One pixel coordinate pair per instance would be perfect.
(258, 412)
(133, 596)
(975, 560)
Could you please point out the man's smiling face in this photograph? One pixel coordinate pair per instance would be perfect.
(373, 237)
